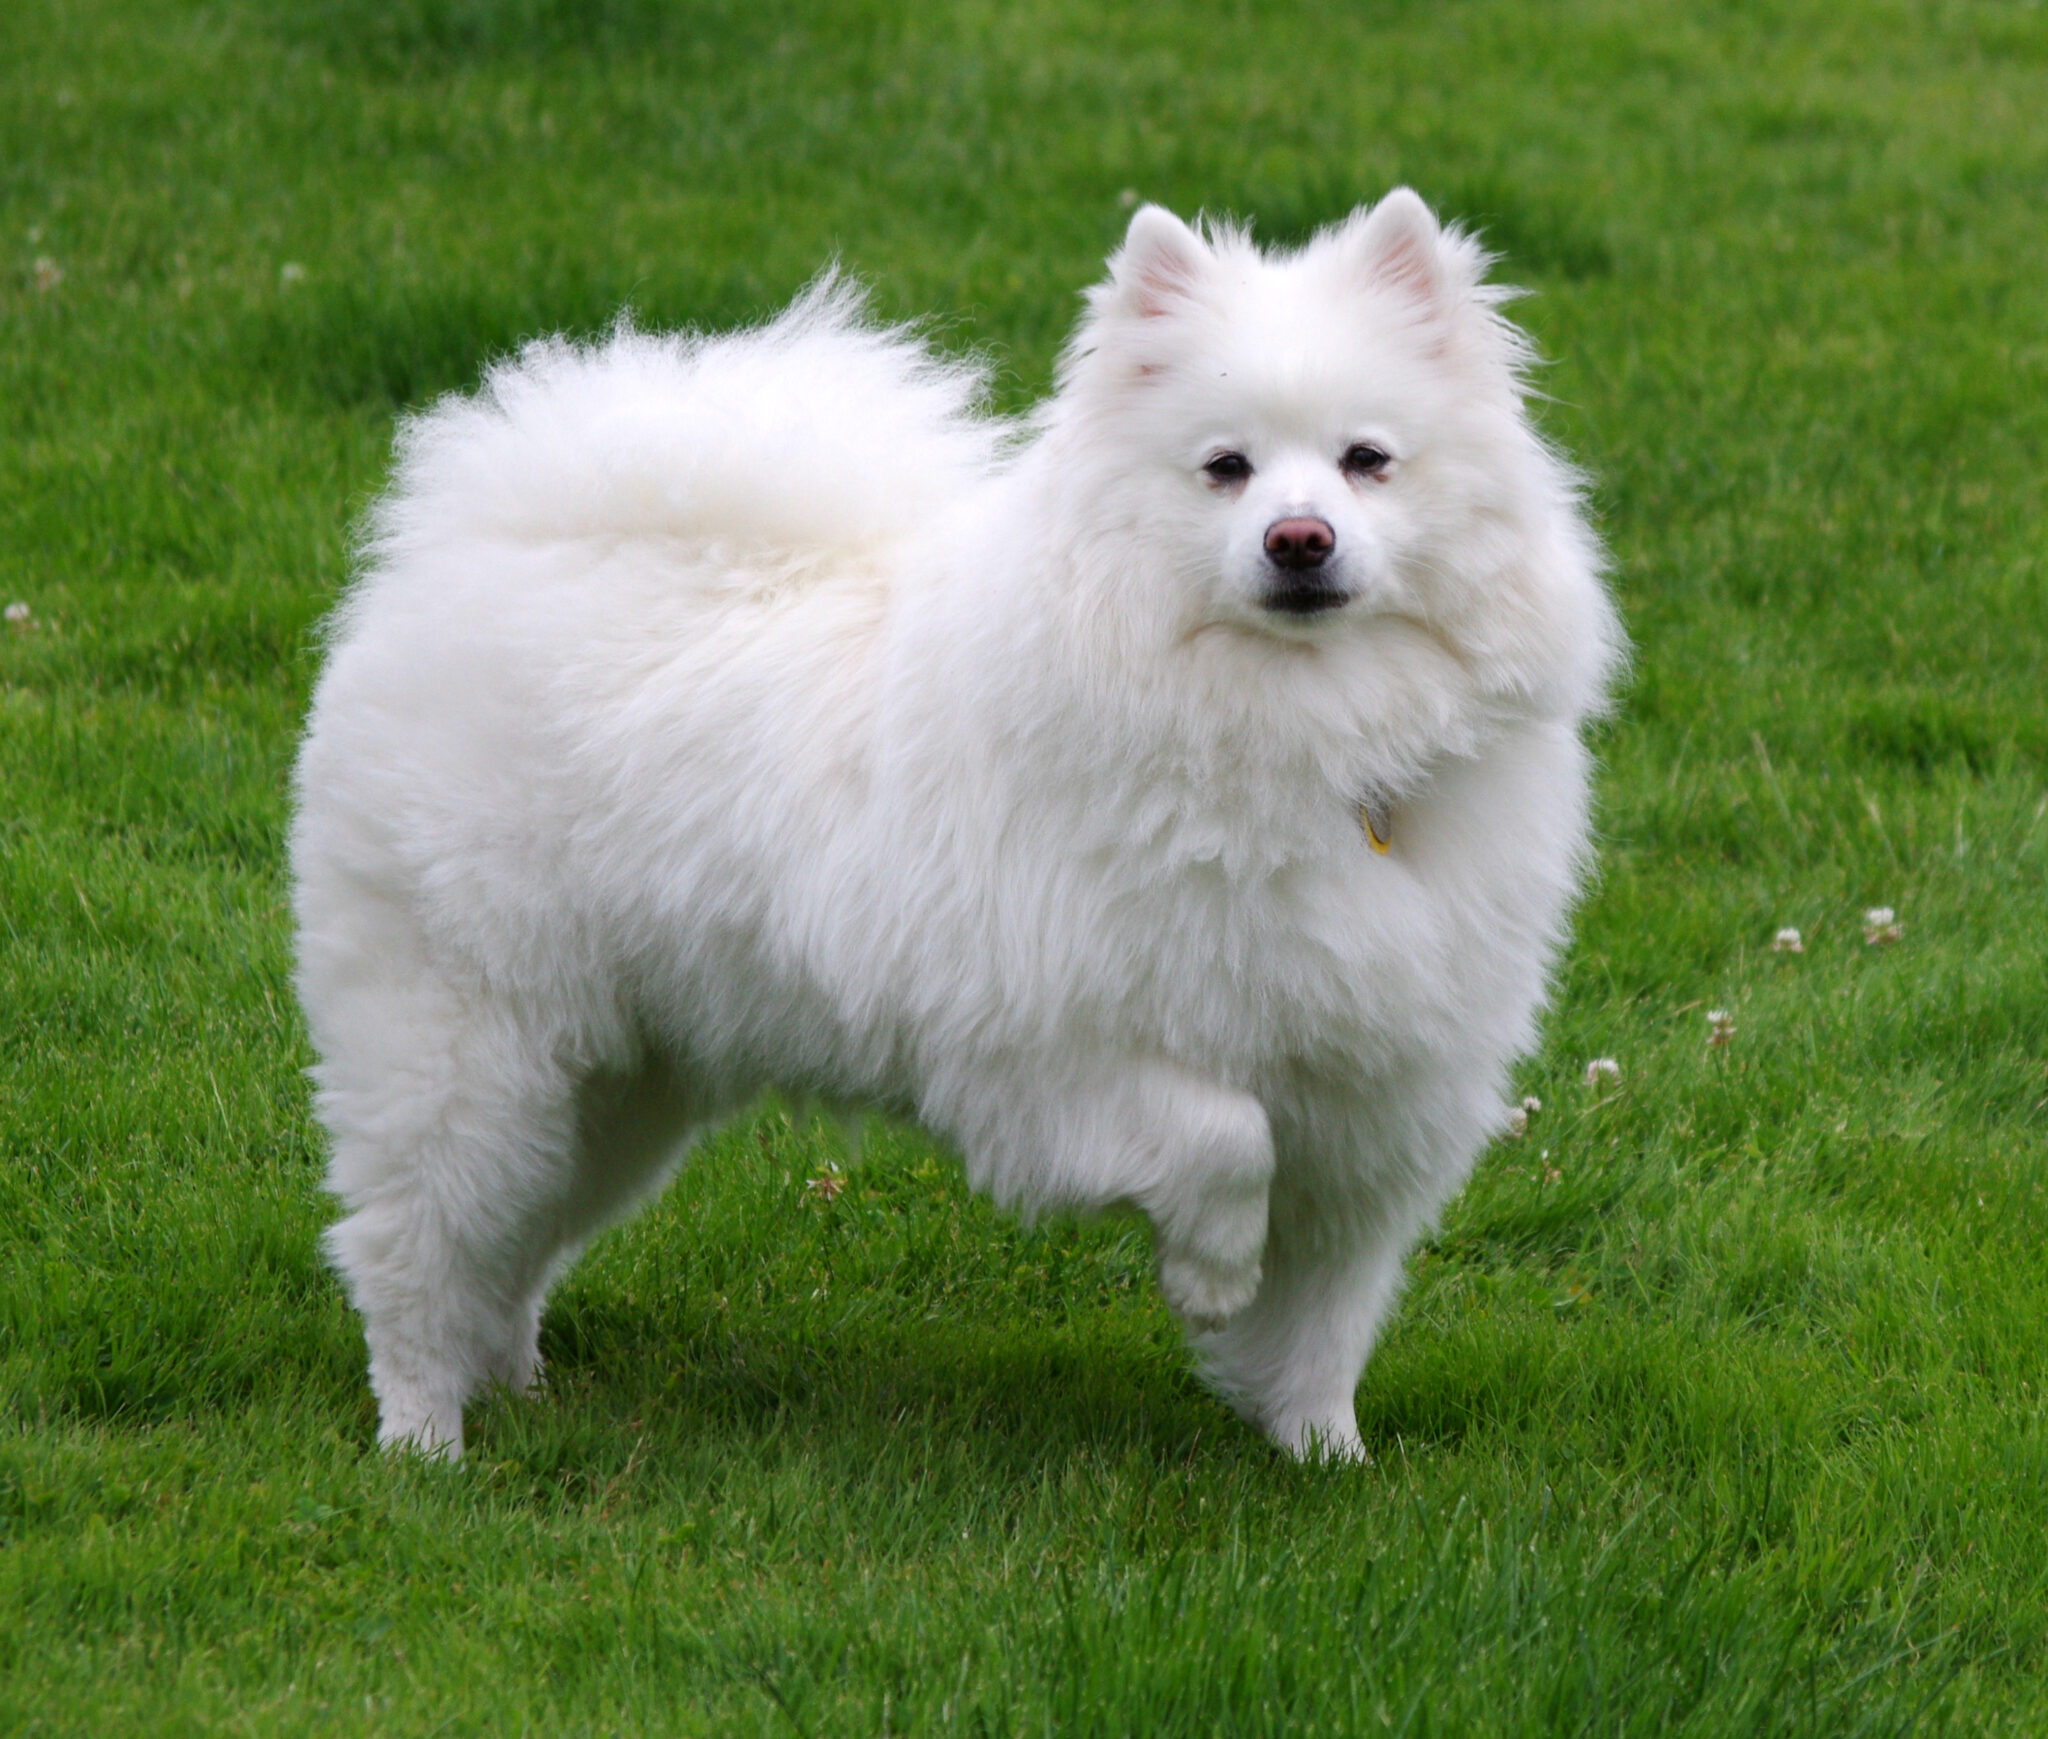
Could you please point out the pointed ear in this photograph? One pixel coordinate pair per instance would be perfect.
(1400, 243)
(1160, 263)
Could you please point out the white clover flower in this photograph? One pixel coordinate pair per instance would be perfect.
(827, 1186)
(1532, 1105)
(1518, 1124)
(291, 272)
(18, 613)
(1602, 1069)
(48, 274)
(1787, 941)
(1720, 1027)
(1881, 927)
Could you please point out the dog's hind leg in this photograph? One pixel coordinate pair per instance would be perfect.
(454, 1145)
(631, 1129)
(473, 1155)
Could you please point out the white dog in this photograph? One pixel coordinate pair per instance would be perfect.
(1173, 803)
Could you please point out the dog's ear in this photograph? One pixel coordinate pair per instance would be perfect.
(1400, 243)
(1160, 263)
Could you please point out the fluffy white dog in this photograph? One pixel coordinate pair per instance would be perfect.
(1174, 802)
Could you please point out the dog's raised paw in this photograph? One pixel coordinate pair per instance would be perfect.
(1204, 1295)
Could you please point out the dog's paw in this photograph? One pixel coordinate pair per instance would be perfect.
(1206, 1295)
(1331, 1439)
(418, 1422)
(523, 1374)
(429, 1441)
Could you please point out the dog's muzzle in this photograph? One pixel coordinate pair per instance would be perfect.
(1297, 585)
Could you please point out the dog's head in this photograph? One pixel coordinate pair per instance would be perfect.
(1327, 445)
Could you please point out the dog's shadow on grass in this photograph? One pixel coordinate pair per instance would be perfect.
(893, 1402)
(874, 1380)
(1019, 1397)
(746, 1309)
(903, 1413)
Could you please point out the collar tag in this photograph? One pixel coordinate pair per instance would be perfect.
(1376, 817)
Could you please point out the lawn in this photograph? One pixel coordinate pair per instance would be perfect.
(1716, 1406)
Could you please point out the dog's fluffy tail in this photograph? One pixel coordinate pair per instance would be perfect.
(820, 434)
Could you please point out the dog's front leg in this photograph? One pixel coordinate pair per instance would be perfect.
(1291, 1362)
(1195, 1157)
(1204, 1173)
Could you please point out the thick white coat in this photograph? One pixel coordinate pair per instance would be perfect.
(712, 713)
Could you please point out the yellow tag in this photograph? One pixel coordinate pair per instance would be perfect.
(1379, 827)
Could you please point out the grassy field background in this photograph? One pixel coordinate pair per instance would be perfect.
(1715, 1408)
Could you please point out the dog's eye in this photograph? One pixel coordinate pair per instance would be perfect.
(1228, 468)
(1363, 459)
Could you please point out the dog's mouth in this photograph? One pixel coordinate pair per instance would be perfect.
(1304, 595)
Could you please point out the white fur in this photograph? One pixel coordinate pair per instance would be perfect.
(718, 712)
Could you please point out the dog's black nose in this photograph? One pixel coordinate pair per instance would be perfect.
(1299, 543)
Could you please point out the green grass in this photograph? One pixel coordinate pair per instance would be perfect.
(1717, 1405)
